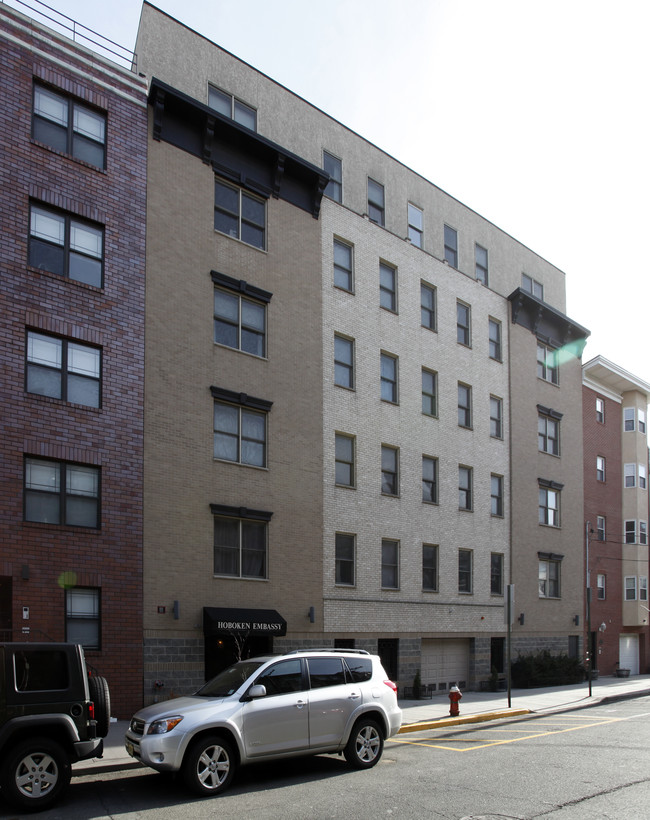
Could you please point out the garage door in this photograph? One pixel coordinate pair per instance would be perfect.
(628, 653)
(445, 661)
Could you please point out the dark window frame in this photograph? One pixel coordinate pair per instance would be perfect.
(243, 517)
(345, 564)
(242, 216)
(64, 370)
(334, 188)
(63, 492)
(71, 634)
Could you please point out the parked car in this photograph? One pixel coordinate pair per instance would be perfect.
(52, 713)
(266, 708)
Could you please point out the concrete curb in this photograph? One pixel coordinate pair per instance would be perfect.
(460, 721)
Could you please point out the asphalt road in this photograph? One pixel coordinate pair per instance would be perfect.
(588, 763)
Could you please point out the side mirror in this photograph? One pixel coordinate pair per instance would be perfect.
(257, 691)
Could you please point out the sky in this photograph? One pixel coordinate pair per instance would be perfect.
(534, 113)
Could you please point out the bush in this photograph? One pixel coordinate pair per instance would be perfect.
(544, 669)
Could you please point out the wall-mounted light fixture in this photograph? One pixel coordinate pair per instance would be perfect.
(24, 572)
(312, 615)
(576, 620)
(521, 619)
(177, 610)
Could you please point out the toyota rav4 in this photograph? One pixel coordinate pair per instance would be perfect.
(305, 702)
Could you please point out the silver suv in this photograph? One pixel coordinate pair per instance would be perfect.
(305, 702)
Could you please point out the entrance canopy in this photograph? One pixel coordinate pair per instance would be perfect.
(237, 621)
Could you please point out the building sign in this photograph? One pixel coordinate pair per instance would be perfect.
(234, 621)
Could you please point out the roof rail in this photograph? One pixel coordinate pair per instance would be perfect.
(345, 651)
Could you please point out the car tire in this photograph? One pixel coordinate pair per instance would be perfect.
(209, 765)
(100, 696)
(35, 773)
(365, 745)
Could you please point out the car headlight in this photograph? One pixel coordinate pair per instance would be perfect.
(161, 727)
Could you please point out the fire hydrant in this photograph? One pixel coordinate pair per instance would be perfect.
(454, 698)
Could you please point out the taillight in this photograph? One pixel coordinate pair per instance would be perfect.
(391, 685)
(91, 710)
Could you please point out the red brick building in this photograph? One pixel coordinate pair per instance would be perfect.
(72, 245)
(616, 517)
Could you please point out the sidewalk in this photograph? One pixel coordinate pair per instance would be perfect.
(475, 707)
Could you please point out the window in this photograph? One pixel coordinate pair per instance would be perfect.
(464, 405)
(496, 573)
(547, 367)
(389, 564)
(465, 571)
(549, 578)
(600, 411)
(428, 306)
(600, 587)
(232, 108)
(67, 246)
(333, 166)
(430, 567)
(240, 433)
(643, 532)
(325, 672)
(389, 470)
(642, 477)
(343, 362)
(481, 264)
(240, 322)
(375, 201)
(429, 480)
(429, 392)
(463, 318)
(600, 468)
(549, 506)
(63, 369)
(641, 417)
(464, 488)
(496, 495)
(630, 588)
(240, 542)
(343, 266)
(494, 334)
(344, 455)
(600, 528)
(388, 287)
(58, 492)
(451, 246)
(416, 226)
(531, 286)
(496, 417)
(630, 531)
(82, 622)
(345, 559)
(239, 214)
(643, 588)
(388, 378)
(548, 434)
(628, 419)
(68, 126)
(629, 471)
(283, 678)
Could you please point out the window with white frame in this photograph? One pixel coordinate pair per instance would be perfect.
(68, 126)
(600, 410)
(240, 433)
(642, 476)
(427, 306)
(465, 571)
(389, 564)
(600, 528)
(334, 167)
(388, 287)
(494, 337)
(343, 271)
(416, 226)
(429, 392)
(82, 617)
(630, 531)
(63, 369)
(343, 361)
(240, 542)
(641, 419)
(643, 588)
(629, 473)
(430, 567)
(231, 107)
(547, 364)
(628, 419)
(531, 286)
(549, 504)
(464, 487)
(240, 321)
(600, 587)
(548, 434)
(389, 470)
(388, 378)
(451, 246)
(463, 324)
(643, 532)
(345, 559)
(496, 417)
(376, 205)
(549, 576)
(344, 459)
(464, 405)
(496, 495)
(239, 214)
(600, 468)
(429, 480)
(481, 264)
(630, 588)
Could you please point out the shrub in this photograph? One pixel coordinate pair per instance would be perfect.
(545, 669)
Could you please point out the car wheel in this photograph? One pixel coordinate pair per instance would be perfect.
(365, 745)
(100, 696)
(209, 765)
(35, 774)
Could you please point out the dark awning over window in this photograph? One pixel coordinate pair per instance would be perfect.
(231, 621)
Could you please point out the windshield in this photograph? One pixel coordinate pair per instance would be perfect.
(229, 681)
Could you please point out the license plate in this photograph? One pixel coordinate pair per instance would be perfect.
(129, 747)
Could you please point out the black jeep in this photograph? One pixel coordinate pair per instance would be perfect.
(52, 713)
